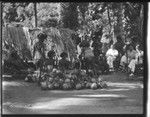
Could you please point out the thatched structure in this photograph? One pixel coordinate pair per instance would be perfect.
(23, 39)
(14, 38)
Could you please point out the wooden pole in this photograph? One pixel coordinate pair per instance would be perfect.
(35, 13)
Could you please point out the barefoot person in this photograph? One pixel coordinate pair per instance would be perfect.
(39, 53)
(64, 64)
(50, 62)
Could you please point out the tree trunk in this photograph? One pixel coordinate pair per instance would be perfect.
(120, 18)
(141, 23)
(35, 13)
(109, 19)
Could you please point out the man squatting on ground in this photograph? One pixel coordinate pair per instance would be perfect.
(132, 58)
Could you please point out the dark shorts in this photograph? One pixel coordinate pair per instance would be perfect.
(89, 63)
(39, 63)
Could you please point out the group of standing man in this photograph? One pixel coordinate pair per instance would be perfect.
(124, 54)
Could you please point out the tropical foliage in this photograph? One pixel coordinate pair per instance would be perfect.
(124, 19)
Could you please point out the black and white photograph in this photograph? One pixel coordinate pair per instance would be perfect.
(73, 57)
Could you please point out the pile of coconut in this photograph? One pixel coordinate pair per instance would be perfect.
(69, 80)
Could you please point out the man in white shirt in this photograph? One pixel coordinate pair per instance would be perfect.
(111, 55)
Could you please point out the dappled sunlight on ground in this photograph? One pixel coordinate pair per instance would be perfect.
(103, 96)
(126, 85)
(117, 86)
(117, 89)
(61, 103)
(6, 84)
(27, 98)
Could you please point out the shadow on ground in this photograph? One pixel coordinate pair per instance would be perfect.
(123, 96)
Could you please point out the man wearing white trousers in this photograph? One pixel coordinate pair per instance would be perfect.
(111, 55)
(138, 60)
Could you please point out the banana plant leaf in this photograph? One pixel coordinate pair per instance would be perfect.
(70, 46)
(15, 37)
(62, 39)
(23, 41)
(54, 36)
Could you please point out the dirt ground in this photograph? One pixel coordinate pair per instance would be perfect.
(123, 96)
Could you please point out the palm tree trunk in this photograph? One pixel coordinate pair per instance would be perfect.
(141, 23)
(35, 11)
(109, 18)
